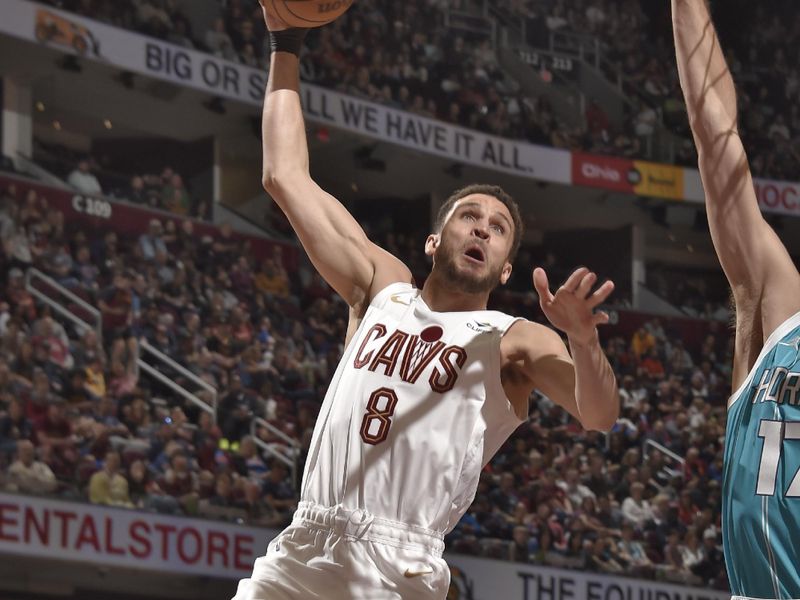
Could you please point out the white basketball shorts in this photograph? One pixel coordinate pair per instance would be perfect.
(336, 554)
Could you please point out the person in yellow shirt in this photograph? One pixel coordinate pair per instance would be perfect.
(108, 486)
(642, 342)
(95, 378)
(272, 280)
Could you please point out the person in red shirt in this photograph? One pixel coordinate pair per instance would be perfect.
(54, 435)
(115, 305)
(652, 365)
(181, 482)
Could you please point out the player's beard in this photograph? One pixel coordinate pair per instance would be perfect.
(462, 279)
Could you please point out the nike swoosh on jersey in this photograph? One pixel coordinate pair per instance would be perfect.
(397, 299)
(409, 573)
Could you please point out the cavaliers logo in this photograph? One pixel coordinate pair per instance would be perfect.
(461, 587)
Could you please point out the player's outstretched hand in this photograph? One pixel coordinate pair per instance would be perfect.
(273, 21)
(571, 309)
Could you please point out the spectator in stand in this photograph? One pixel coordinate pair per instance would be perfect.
(277, 491)
(574, 489)
(115, 305)
(175, 197)
(642, 343)
(635, 509)
(14, 427)
(108, 486)
(219, 42)
(83, 180)
(137, 193)
(28, 475)
(151, 244)
(51, 336)
(223, 492)
(145, 493)
(84, 273)
(603, 557)
(181, 482)
(632, 553)
(55, 431)
(652, 365)
(523, 546)
(710, 568)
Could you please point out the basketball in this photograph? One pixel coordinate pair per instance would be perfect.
(310, 13)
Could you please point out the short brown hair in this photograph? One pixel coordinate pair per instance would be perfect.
(487, 190)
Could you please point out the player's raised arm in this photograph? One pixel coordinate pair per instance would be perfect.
(337, 245)
(583, 383)
(751, 254)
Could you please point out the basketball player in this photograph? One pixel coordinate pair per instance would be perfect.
(430, 384)
(761, 490)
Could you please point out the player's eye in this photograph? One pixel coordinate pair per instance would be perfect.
(499, 229)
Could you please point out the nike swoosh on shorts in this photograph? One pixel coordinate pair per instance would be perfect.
(409, 573)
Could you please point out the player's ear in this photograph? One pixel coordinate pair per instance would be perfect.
(432, 243)
(505, 274)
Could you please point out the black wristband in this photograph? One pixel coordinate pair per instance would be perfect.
(288, 40)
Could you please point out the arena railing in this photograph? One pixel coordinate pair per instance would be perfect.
(287, 457)
(153, 371)
(53, 289)
(27, 166)
(465, 21)
(652, 446)
(83, 313)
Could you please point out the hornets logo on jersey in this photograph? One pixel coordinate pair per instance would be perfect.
(761, 487)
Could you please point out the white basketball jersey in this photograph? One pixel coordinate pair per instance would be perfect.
(413, 413)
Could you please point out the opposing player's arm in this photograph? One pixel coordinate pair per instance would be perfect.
(336, 244)
(750, 252)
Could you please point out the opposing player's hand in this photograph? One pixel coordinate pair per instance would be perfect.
(572, 308)
(273, 21)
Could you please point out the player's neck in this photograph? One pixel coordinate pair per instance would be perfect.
(441, 297)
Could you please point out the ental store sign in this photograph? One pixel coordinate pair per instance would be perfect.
(48, 528)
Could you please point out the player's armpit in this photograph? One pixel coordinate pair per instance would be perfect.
(336, 244)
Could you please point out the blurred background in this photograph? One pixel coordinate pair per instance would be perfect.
(165, 344)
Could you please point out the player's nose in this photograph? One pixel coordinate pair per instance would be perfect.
(481, 230)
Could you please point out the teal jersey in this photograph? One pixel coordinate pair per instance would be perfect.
(761, 482)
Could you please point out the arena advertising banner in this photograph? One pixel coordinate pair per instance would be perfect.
(480, 579)
(96, 41)
(778, 197)
(630, 176)
(49, 528)
(671, 182)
